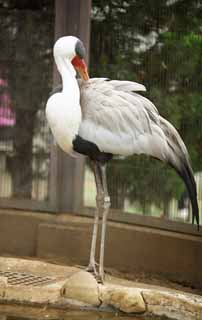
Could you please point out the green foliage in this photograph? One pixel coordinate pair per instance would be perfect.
(159, 44)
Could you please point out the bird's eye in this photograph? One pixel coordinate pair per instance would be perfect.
(80, 50)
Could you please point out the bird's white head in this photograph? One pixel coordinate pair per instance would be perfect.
(72, 49)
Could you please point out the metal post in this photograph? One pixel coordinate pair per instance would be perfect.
(72, 17)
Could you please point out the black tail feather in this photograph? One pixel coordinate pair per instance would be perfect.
(186, 173)
(191, 188)
(178, 158)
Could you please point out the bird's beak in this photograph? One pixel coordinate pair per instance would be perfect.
(80, 65)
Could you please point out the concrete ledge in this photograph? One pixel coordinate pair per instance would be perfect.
(132, 249)
(73, 288)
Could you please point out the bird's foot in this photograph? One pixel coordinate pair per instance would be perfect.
(101, 275)
(92, 269)
(100, 278)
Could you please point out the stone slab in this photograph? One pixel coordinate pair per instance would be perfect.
(174, 305)
(82, 286)
(126, 299)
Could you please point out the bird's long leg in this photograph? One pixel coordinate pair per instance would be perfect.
(106, 207)
(99, 201)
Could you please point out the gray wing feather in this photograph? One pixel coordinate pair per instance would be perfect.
(127, 86)
(117, 119)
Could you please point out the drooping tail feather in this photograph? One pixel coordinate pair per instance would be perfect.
(187, 176)
(178, 158)
(191, 187)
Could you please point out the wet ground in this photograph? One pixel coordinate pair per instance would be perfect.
(27, 313)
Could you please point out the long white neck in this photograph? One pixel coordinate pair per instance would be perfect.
(63, 109)
(69, 82)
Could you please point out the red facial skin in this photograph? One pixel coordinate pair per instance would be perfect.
(80, 65)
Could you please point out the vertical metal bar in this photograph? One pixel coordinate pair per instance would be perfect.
(72, 17)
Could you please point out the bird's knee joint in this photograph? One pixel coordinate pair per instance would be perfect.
(107, 202)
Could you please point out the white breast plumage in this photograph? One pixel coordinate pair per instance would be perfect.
(63, 121)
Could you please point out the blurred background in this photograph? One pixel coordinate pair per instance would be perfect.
(155, 42)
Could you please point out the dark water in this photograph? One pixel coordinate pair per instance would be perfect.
(94, 316)
(28, 313)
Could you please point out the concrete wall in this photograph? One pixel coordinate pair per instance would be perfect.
(131, 249)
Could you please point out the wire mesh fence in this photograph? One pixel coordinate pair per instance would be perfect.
(156, 191)
(159, 44)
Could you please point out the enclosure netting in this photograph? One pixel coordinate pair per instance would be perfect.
(157, 43)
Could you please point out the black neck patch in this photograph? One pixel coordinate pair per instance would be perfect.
(90, 149)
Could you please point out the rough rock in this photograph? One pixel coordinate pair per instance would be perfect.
(3, 281)
(81, 286)
(123, 298)
(29, 295)
(173, 305)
